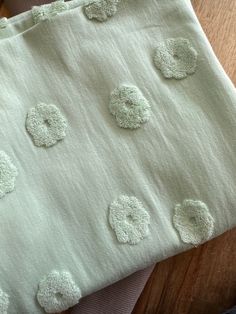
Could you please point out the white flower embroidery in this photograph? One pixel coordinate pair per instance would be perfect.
(101, 9)
(129, 107)
(193, 221)
(129, 219)
(47, 11)
(176, 58)
(4, 302)
(46, 125)
(8, 173)
(58, 292)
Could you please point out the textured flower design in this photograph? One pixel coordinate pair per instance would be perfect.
(8, 173)
(129, 107)
(58, 292)
(101, 10)
(47, 11)
(193, 221)
(129, 219)
(4, 302)
(176, 58)
(46, 125)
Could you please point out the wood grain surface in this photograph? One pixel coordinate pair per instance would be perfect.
(3, 11)
(203, 280)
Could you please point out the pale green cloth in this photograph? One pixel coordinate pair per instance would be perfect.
(56, 218)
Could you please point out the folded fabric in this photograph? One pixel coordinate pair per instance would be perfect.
(117, 146)
(231, 311)
(119, 298)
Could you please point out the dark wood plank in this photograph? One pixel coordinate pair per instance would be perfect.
(3, 11)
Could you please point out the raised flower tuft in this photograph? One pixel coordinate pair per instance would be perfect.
(193, 221)
(130, 108)
(129, 219)
(47, 11)
(8, 174)
(175, 58)
(101, 10)
(46, 125)
(57, 292)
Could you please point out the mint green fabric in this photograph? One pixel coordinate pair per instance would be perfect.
(55, 221)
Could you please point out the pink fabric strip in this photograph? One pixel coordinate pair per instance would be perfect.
(119, 298)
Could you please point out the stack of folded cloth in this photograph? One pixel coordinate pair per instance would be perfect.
(117, 149)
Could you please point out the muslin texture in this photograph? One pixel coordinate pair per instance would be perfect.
(121, 296)
(56, 218)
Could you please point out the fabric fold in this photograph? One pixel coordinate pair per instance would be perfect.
(119, 122)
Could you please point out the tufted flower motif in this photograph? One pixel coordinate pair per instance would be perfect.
(4, 302)
(58, 292)
(129, 107)
(46, 125)
(8, 173)
(193, 221)
(47, 11)
(176, 58)
(101, 10)
(129, 219)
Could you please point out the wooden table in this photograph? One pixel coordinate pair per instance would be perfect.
(203, 280)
